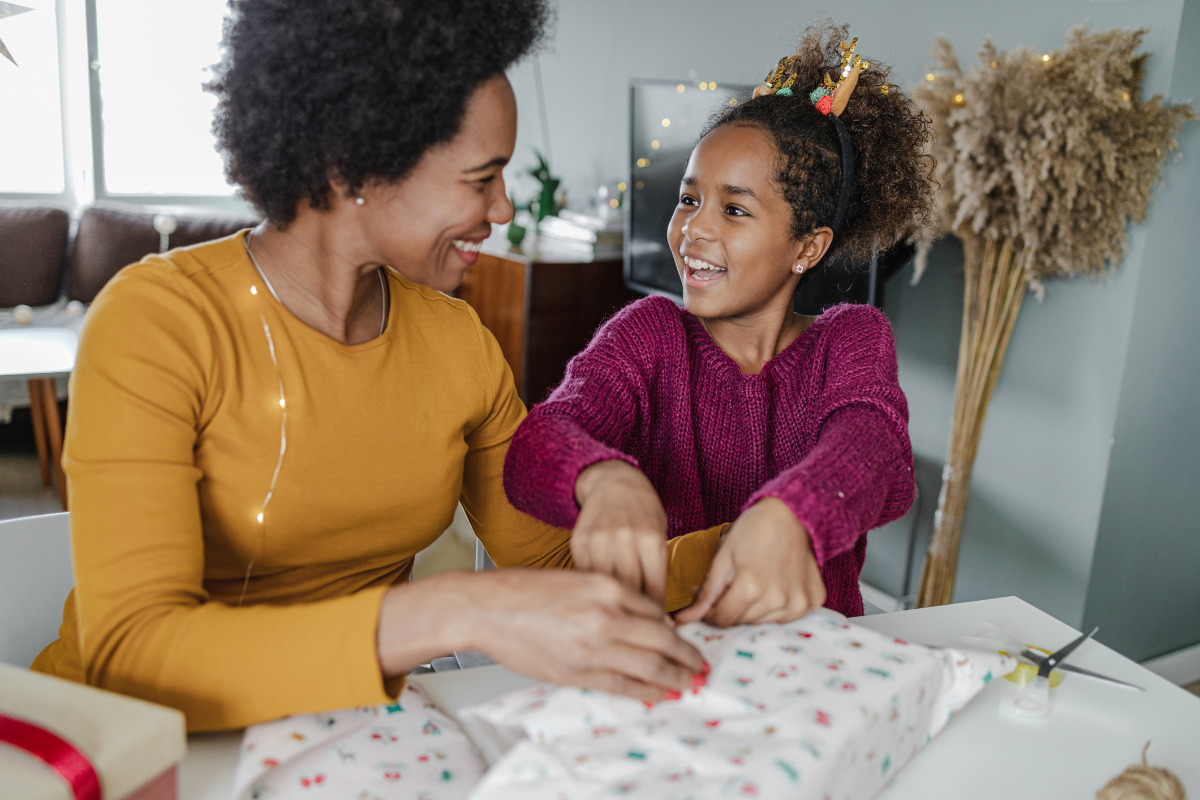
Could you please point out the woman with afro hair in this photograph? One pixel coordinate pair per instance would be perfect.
(791, 431)
(267, 428)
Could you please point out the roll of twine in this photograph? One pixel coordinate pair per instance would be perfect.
(1143, 782)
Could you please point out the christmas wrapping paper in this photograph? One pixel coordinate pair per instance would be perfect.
(407, 749)
(815, 708)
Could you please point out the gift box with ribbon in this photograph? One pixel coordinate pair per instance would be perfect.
(65, 741)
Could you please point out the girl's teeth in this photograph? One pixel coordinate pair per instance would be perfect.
(698, 265)
(467, 247)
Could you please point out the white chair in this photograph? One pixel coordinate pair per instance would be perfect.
(35, 577)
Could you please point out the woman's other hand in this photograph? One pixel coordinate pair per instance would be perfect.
(764, 571)
(622, 528)
(571, 628)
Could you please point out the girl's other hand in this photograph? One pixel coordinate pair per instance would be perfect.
(577, 629)
(622, 528)
(764, 571)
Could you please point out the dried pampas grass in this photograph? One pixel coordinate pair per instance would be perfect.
(1043, 158)
(1054, 151)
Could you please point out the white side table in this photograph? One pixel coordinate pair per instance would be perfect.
(39, 355)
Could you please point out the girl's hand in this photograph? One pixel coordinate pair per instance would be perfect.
(622, 528)
(571, 628)
(764, 571)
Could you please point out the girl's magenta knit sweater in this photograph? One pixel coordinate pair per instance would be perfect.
(823, 427)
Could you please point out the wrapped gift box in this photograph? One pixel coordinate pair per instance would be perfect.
(816, 708)
(132, 745)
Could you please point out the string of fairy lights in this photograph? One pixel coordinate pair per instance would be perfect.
(960, 99)
(261, 515)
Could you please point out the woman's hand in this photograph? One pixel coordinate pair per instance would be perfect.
(764, 571)
(622, 528)
(572, 628)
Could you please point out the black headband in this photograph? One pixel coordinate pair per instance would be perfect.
(839, 216)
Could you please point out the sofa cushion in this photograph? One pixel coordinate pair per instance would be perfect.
(111, 237)
(33, 250)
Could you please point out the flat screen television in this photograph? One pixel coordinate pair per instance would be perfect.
(666, 118)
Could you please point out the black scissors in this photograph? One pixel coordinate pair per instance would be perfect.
(1041, 660)
(1034, 698)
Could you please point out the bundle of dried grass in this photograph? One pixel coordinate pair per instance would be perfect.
(1043, 159)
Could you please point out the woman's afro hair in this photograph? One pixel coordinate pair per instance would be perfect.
(355, 91)
(893, 195)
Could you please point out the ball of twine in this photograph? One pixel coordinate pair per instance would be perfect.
(1143, 782)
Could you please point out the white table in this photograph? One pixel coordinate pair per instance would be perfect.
(38, 355)
(1093, 732)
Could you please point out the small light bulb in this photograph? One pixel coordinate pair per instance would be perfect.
(733, 101)
(666, 123)
(614, 202)
(259, 517)
(703, 85)
(680, 88)
(655, 144)
(622, 186)
(929, 76)
(959, 99)
(1046, 57)
(642, 162)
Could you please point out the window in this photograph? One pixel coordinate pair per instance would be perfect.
(151, 120)
(31, 133)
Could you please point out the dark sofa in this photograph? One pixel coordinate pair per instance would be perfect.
(39, 254)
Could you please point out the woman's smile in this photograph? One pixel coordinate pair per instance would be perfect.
(468, 249)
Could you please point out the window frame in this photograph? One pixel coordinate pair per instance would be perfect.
(66, 196)
(231, 202)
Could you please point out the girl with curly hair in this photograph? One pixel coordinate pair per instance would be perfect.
(267, 428)
(734, 409)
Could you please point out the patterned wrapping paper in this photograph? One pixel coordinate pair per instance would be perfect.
(815, 708)
(407, 750)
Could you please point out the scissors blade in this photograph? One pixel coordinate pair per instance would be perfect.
(1038, 658)
(1051, 661)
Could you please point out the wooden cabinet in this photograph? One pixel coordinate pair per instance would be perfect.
(543, 307)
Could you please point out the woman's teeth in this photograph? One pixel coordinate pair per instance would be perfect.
(702, 270)
(467, 246)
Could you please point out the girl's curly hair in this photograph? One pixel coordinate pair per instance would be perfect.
(352, 90)
(893, 195)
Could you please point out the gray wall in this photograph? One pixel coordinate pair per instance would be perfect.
(1144, 589)
(1039, 491)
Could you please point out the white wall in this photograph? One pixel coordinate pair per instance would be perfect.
(1040, 478)
(1148, 543)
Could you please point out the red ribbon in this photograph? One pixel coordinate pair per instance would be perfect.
(60, 754)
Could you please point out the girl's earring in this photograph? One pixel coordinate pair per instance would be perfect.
(359, 201)
(799, 268)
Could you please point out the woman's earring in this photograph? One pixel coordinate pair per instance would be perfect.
(359, 201)
(799, 269)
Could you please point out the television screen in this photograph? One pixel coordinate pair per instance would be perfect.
(666, 118)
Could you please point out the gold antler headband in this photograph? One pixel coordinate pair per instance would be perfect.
(780, 81)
